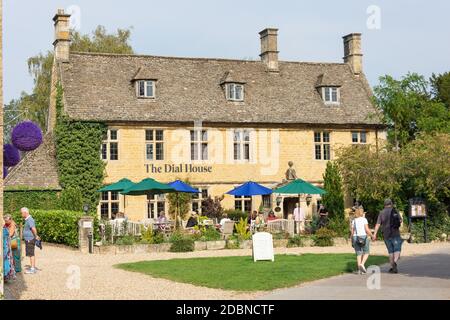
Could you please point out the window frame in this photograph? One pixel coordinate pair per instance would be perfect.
(105, 149)
(322, 147)
(359, 135)
(153, 205)
(196, 140)
(234, 85)
(242, 143)
(330, 101)
(146, 82)
(199, 198)
(154, 143)
(243, 202)
(109, 202)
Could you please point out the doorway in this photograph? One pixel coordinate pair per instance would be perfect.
(289, 206)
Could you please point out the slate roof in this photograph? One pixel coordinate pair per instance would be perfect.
(100, 87)
(38, 168)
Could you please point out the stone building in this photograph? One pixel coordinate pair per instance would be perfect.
(215, 122)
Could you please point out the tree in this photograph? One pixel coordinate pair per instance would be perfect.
(333, 199)
(408, 108)
(440, 87)
(212, 208)
(34, 106)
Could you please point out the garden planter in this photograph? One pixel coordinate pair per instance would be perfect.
(162, 247)
(216, 245)
(246, 244)
(124, 249)
(140, 248)
(280, 243)
(308, 242)
(199, 245)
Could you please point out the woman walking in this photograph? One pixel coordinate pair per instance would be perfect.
(361, 235)
(15, 242)
(8, 260)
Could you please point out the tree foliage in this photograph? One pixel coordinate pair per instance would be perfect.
(440, 87)
(212, 208)
(333, 199)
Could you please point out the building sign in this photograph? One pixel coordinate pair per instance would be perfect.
(177, 168)
(263, 246)
(417, 208)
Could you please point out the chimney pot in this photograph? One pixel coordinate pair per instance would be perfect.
(62, 35)
(353, 52)
(269, 48)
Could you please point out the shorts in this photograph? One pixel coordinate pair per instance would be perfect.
(361, 250)
(29, 247)
(394, 244)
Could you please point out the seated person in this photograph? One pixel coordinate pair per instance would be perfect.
(271, 216)
(161, 218)
(192, 221)
(252, 218)
(259, 222)
(223, 220)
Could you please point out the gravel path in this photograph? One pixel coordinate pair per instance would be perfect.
(98, 279)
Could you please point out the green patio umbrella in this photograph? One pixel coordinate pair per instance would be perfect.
(148, 186)
(299, 187)
(118, 187)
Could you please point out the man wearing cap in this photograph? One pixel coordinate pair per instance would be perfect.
(391, 235)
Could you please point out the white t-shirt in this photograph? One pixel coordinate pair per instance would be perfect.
(359, 226)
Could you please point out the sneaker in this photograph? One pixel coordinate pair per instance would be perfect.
(391, 270)
(30, 271)
(363, 269)
(394, 269)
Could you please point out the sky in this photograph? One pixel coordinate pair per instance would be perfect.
(397, 36)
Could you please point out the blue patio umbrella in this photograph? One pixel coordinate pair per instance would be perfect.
(249, 189)
(180, 186)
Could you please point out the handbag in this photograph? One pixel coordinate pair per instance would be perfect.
(14, 244)
(360, 241)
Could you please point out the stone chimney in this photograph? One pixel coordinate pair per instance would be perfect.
(62, 36)
(352, 52)
(269, 52)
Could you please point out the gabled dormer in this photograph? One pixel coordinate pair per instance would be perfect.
(145, 84)
(329, 89)
(233, 87)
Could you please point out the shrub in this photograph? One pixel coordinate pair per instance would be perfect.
(183, 244)
(56, 226)
(340, 226)
(236, 215)
(295, 241)
(333, 199)
(211, 234)
(243, 233)
(34, 199)
(71, 199)
(324, 237)
(126, 240)
(176, 236)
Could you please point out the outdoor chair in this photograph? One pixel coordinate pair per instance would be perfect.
(228, 228)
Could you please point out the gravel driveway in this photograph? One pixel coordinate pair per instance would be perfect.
(68, 274)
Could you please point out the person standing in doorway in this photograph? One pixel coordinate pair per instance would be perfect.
(390, 221)
(323, 216)
(30, 236)
(299, 218)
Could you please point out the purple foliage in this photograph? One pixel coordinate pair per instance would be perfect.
(11, 155)
(5, 172)
(26, 136)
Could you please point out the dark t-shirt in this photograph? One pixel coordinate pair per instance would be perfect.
(384, 219)
(192, 222)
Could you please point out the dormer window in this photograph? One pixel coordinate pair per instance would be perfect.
(330, 95)
(235, 92)
(145, 88)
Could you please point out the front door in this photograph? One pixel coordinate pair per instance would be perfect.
(289, 206)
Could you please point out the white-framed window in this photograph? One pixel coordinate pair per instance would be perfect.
(243, 203)
(241, 144)
(198, 199)
(359, 137)
(109, 204)
(331, 95)
(267, 201)
(155, 204)
(322, 149)
(110, 145)
(154, 144)
(199, 145)
(145, 88)
(235, 92)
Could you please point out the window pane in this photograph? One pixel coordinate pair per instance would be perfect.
(204, 151)
(194, 135)
(141, 92)
(159, 135)
(238, 205)
(317, 137)
(149, 151)
(204, 193)
(318, 152)
(151, 210)
(355, 137)
(326, 137)
(246, 135)
(149, 135)
(327, 94)
(326, 152)
(363, 138)
(104, 212)
(238, 92)
(237, 151)
(159, 151)
(237, 136)
(204, 135)
(194, 151)
(113, 135)
(161, 206)
(230, 91)
(246, 151)
(247, 205)
(334, 95)
(114, 195)
(114, 151)
(104, 151)
(195, 206)
(149, 88)
(114, 207)
(105, 196)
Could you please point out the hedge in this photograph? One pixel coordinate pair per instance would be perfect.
(33, 199)
(55, 226)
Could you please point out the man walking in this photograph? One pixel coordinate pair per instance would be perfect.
(390, 220)
(299, 218)
(30, 236)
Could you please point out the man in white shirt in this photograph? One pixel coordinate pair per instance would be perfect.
(223, 220)
(299, 218)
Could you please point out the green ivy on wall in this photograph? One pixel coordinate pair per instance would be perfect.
(34, 199)
(78, 154)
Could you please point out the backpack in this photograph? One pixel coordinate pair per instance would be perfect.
(395, 219)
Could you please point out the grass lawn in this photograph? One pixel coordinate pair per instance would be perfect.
(242, 274)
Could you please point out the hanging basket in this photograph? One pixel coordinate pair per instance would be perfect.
(11, 155)
(26, 136)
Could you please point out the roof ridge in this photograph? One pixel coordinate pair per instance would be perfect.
(120, 55)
